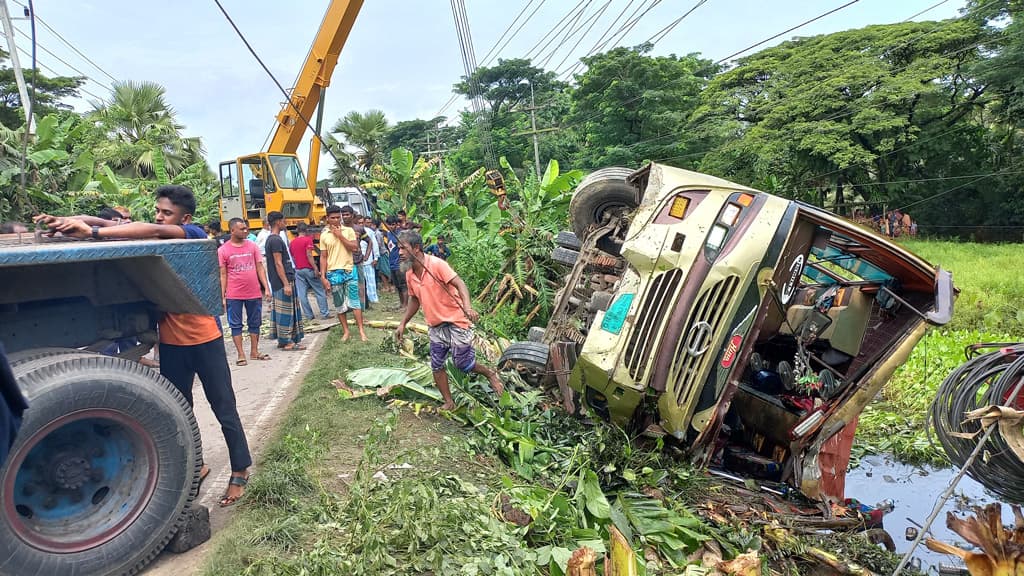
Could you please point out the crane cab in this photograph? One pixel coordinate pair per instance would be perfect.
(251, 186)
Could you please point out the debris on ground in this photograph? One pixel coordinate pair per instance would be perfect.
(1002, 549)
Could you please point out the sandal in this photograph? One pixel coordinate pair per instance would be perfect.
(293, 347)
(240, 481)
(261, 357)
(241, 362)
(203, 473)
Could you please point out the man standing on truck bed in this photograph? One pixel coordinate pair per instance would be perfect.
(243, 281)
(190, 344)
(449, 313)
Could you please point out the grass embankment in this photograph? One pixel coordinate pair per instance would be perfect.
(990, 308)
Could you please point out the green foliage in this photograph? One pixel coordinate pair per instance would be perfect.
(366, 132)
(47, 94)
(634, 107)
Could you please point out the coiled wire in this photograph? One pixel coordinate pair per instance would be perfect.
(992, 378)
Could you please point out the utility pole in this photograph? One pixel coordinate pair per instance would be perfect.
(533, 128)
(12, 49)
(440, 151)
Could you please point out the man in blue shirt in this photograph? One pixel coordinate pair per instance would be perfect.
(439, 249)
(397, 276)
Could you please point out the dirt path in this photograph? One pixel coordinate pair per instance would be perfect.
(264, 390)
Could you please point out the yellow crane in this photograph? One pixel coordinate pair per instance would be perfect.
(254, 184)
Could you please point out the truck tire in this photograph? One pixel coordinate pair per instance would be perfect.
(536, 334)
(103, 471)
(529, 359)
(602, 192)
(564, 256)
(567, 239)
(22, 357)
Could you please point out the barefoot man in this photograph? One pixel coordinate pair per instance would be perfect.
(434, 286)
(337, 270)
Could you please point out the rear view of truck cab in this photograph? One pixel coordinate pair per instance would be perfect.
(750, 328)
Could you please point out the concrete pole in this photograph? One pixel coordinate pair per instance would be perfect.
(26, 104)
(533, 126)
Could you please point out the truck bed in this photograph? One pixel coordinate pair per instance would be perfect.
(83, 287)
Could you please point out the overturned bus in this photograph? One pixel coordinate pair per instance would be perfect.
(750, 329)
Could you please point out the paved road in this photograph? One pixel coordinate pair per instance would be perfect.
(264, 390)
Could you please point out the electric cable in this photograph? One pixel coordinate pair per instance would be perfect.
(341, 165)
(53, 72)
(66, 41)
(514, 34)
(991, 379)
(594, 19)
(722, 60)
(787, 31)
(567, 29)
(68, 64)
(660, 35)
(505, 33)
(529, 53)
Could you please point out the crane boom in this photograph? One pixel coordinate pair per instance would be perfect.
(315, 75)
(253, 185)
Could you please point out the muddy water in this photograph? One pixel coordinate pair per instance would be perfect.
(914, 491)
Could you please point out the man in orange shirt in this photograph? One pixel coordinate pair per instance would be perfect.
(434, 286)
(190, 344)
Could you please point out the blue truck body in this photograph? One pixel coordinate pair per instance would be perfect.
(78, 294)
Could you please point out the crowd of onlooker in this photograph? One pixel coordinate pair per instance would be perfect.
(891, 223)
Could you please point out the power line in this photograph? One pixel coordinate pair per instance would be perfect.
(602, 41)
(593, 19)
(505, 33)
(787, 31)
(928, 9)
(514, 34)
(551, 30)
(953, 189)
(70, 45)
(341, 165)
(567, 28)
(69, 65)
(51, 70)
(660, 35)
(663, 85)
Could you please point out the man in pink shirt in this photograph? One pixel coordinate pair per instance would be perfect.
(242, 276)
(306, 276)
(434, 286)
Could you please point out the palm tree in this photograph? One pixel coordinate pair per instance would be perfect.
(365, 133)
(146, 136)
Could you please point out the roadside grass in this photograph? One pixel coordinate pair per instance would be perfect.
(309, 464)
(990, 308)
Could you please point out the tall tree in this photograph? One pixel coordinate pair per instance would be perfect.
(506, 90)
(146, 136)
(816, 115)
(365, 132)
(47, 93)
(629, 107)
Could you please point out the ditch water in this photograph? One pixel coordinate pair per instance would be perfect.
(914, 490)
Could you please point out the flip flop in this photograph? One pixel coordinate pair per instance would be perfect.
(241, 362)
(293, 348)
(203, 473)
(262, 357)
(226, 500)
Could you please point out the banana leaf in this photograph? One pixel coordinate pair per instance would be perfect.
(385, 381)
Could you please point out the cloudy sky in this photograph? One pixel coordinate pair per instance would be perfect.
(402, 56)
